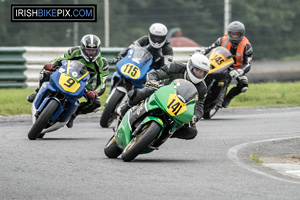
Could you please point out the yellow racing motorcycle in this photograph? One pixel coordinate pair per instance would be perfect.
(221, 61)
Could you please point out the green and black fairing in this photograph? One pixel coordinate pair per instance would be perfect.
(171, 107)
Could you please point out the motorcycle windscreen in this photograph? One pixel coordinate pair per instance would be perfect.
(141, 54)
(73, 76)
(136, 64)
(186, 91)
(220, 59)
(178, 100)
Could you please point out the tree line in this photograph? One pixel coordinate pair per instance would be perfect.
(272, 26)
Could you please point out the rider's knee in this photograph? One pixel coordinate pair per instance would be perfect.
(244, 89)
(186, 133)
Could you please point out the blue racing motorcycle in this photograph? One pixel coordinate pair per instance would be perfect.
(57, 99)
(131, 73)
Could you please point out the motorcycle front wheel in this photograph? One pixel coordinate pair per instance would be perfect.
(43, 119)
(148, 133)
(111, 149)
(109, 114)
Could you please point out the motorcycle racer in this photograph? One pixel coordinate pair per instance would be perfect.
(236, 42)
(195, 71)
(89, 53)
(156, 43)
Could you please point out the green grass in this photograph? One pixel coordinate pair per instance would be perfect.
(290, 58)
(13, 101)
(269, 94)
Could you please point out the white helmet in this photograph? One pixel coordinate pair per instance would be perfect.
(157, 35)
(197, 68)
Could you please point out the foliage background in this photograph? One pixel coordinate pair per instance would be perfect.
(272, 26)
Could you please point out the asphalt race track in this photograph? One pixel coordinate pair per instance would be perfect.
(70, 163)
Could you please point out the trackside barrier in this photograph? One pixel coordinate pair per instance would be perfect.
(12, 67)
(36, 57)
(20, 66)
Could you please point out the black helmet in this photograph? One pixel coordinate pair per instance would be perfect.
(236, 32)
(90, 47)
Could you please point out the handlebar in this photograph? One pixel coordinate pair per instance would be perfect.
(153, 84)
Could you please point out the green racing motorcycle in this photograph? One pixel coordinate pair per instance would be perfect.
(147, 126)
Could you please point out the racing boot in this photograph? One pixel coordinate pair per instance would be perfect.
(230, 95)
(226, 101)
(31, 97)
(70, 123)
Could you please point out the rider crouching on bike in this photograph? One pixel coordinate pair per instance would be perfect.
(240, 47)
(194, 71)
(156, 43)
(89, 53)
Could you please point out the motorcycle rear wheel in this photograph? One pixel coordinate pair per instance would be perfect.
(43, 119)
(109, 114)
(111, 149)
(149, 132)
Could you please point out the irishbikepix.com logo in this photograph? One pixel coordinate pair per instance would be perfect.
(54, 13)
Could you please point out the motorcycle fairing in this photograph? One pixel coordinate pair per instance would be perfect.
(135, 66)
(54, 89)
(152, 110)
(180, 103)
(220, 60)
(64, 80)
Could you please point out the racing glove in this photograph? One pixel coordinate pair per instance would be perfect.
(50, 67)
(152, 83)
(116, 59)
(91, 94)
(194, 120)
(202, 51)
(236, 73)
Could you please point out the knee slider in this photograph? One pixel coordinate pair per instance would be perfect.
(243, 80)
(244, 89)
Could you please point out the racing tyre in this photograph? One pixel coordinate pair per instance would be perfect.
(148, 133)
(111, 149)
(109, 112)
(43, 119)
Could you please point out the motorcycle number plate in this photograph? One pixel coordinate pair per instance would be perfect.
(175, 105)
(131, 70)
(68, 83)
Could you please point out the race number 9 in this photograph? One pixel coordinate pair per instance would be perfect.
(69, 82)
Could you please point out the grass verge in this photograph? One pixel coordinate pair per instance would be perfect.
(13, 101)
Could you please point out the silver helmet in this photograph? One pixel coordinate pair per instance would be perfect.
(90, 47)
(236, 32)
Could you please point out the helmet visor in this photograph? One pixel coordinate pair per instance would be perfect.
(235, 34)
(196, 71)
(90, 52)
(157, 39)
